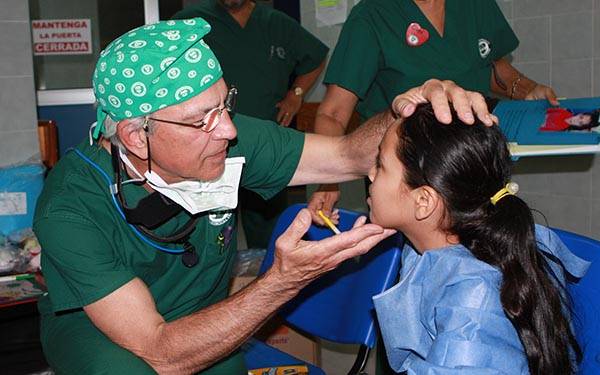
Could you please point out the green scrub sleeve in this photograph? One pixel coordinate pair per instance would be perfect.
(78, 263)
(309, 50)
(356, 58)
(272, 154)
(503, 38)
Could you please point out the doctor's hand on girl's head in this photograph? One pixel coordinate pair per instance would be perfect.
(440, 94)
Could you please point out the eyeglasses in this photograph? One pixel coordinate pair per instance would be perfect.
(212, 118)
(208, 123)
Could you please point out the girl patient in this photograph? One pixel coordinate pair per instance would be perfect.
(481, 286)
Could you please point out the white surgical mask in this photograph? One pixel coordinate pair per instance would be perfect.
(199, 196)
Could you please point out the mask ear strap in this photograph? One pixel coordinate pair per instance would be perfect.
(146, 128)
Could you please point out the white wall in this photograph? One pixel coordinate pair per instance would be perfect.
(18, 119)
(560, 46)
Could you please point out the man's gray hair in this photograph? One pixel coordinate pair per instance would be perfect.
(110, 129)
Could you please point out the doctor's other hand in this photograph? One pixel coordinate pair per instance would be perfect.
(440, 94)
(540, 91)
(298, 262)
(325, 198)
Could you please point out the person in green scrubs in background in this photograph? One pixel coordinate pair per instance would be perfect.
(138, 224)
(388, 46)
(261, 49)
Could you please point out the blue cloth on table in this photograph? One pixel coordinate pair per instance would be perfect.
(445, 315)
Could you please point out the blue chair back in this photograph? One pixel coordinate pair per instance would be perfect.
(585, 295)
(338, 305)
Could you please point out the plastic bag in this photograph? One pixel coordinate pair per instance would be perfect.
(19, 252)
(248, 261)
(20, 187)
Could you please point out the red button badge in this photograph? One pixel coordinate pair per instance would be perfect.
(416, 35)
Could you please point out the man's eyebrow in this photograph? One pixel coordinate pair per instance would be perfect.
(199, 113)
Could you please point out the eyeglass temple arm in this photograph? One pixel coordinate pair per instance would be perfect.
(230, 99)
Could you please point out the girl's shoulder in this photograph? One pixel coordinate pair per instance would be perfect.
(445, 263)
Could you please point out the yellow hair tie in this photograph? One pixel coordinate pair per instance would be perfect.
(510, 189)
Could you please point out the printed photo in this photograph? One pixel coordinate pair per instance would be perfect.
(567, 119)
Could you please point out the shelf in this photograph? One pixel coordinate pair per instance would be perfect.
(518, 151)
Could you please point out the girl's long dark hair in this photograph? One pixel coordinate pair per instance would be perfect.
(467, 165)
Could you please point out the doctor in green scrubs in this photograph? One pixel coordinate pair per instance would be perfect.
(260, 49)
(388, 46)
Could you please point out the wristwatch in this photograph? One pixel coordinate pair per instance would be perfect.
(298, 91)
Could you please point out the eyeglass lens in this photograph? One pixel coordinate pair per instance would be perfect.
(213, 117)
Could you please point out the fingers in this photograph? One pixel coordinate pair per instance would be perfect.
(335, 216)
(441, 107)
(405, 108)
(279, 116)
(284, 118)
(440, 94)
(325, 201)
(495, 119)
(480, 108)
(330, 198)
(288, 107)
(294, 233)
(435, 92)
(465, 103)
(543, 92)
(300, 262)
(362, 246)
(315, 203)
(360, 222)
(551, 96)
(405, 104)
(285, 115)
(348, 240)
(461, 102)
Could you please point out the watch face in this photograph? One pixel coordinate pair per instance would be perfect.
(298, 91)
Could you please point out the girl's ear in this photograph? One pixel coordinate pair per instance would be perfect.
(427, 201)
(133, 138)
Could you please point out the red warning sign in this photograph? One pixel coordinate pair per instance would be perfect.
(61, 37)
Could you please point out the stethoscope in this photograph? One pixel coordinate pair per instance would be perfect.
(142, 218)
(189, 255)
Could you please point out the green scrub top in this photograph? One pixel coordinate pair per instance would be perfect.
(90, 251)
(260, 57)
(373, 60)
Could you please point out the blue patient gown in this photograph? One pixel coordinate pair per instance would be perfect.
(445, 315)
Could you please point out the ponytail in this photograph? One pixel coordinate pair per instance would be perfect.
(467, 165)
(505, 238)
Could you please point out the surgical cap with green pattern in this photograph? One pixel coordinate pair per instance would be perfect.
(152, 67)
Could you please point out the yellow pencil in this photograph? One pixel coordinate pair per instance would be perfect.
(328, 222)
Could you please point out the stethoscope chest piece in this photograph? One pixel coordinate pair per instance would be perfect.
(189, 258)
